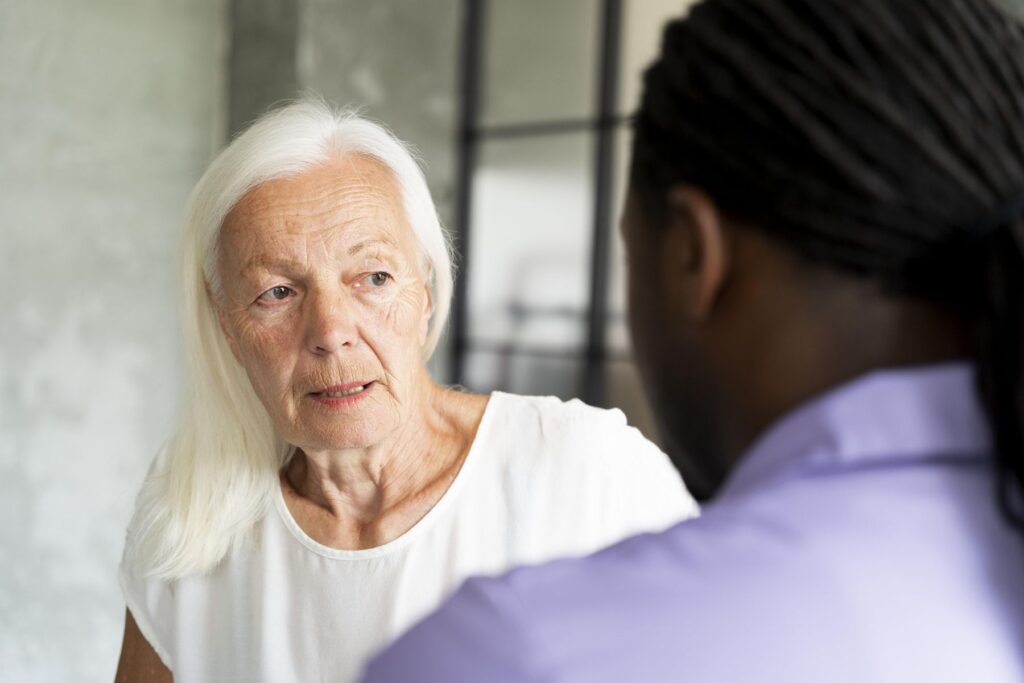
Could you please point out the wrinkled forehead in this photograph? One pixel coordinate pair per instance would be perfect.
(337, 205)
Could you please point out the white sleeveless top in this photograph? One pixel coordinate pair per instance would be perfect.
(542, 479)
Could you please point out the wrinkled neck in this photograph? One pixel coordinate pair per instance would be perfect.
(362, 483)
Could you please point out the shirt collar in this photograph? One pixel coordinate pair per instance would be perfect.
(883, 417)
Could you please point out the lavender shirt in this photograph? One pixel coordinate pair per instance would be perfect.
(856, 541)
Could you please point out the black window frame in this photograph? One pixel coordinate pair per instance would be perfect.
(603, 126)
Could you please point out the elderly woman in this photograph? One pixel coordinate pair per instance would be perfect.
(322, 493)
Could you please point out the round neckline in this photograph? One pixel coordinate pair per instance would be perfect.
(416, 529)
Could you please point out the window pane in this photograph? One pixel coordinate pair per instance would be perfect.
(642, 23)
(530, 243)
(540, 60)
(523, 374)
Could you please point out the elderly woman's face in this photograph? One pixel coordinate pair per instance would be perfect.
(325, 302)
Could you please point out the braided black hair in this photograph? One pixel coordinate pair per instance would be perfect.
(882, 137)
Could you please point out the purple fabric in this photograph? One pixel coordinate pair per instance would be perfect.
(858, 540)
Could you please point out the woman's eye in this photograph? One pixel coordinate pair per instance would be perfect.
(377, 279)
(278, 293)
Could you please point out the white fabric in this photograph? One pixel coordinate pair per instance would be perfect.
(542, 479)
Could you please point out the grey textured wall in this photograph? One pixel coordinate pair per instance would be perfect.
(395, 60)
(109, 109)
(261, 69)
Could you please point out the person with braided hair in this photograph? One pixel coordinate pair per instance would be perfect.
(825, 228)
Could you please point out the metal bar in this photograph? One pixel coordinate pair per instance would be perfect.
(554, 127)
(594, 371)
(471, 64)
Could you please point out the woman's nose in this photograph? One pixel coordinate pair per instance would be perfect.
(330, 324)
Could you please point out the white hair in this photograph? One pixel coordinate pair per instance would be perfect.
(218, 475)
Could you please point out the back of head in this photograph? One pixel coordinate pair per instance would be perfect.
(880, 138)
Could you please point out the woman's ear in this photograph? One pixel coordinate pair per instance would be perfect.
(695, 253)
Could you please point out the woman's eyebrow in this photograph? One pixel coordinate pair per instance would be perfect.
(264, 263)
(366, 244)
(267, 264)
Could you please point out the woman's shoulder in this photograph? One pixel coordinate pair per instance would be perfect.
(552, 416)
(589, 459)
(546, 427)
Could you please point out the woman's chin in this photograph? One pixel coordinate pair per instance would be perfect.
(330, 436)
(330, 423)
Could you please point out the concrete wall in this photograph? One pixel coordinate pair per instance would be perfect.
(396, 61)
(108, 112)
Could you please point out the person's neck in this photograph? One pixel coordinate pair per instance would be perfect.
(359, 487)
(798, 357)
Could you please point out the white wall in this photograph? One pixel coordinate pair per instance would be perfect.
(108, 112)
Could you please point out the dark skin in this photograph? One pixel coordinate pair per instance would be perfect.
(733, 330)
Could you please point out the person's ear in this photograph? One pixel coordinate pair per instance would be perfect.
(695, 251)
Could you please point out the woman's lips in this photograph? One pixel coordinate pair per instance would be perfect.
(342, 394)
